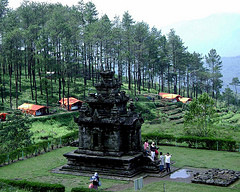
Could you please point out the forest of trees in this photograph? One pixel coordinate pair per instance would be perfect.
(75, 43)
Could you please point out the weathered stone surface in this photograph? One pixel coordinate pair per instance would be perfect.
(221, 177)
(109, 134)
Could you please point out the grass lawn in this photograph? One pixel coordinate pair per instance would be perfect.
(203, 158)
(38, 169)
(171, 186)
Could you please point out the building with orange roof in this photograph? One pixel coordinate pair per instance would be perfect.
(169, 96)
(74, 103)
(33, 109)
(3, 116)
(185, 100)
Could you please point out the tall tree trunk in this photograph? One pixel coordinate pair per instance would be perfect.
(129, 67)
(30, 59)
(179, 83)
(34, 80)
(168, 79)
(68, 93)
(40, 78)
(187, 84)
(162, 81)
(16, 82)
(10, 84)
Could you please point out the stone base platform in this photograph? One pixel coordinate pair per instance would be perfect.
(124, 166)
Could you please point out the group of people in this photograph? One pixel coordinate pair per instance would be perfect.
(152, 152)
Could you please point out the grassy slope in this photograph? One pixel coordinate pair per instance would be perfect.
(53, 126)
(158, 119)
(38, 168)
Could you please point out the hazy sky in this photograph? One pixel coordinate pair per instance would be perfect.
(158, 13)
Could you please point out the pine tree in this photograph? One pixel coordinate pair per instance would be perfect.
(215, 65)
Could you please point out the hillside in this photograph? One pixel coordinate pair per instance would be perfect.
(230, 69)
(168, 118)
(219, 31)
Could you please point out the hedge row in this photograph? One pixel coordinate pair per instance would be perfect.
(40, 187)
(55, 116)
(37, 148)
(193, 141)
(34, 186)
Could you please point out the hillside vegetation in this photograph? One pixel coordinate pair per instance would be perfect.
(168, 118)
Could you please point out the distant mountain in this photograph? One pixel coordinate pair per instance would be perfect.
(219, 31)
(230, 69)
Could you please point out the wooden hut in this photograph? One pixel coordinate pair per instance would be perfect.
(74, 103)
(3, 116)
(32, 109)
(185, 100)
(170, 97)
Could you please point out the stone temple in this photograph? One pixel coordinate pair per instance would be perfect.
(109, 134)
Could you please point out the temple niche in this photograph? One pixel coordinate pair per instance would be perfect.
(109, 133)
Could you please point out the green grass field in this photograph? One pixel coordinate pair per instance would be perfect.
(170, 186)
(38, 169)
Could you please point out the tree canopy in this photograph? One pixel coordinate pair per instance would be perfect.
(75, 44)
(199, 117)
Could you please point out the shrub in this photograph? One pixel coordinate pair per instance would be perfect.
(194, 141)
(35, 149)
(3, 158)
(34, 186)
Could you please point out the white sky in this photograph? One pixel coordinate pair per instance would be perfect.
(158, 13)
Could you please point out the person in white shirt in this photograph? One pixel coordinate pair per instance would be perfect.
(167, 161)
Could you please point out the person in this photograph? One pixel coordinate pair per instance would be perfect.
(146, 145)
(153, 150)
(161, 158)
(95, 181)
(148, 152)
(156, 153)
(167, 161)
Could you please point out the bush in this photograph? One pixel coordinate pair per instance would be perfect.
(35, 149)
(3, 158)
(34, 186)
(194, 141)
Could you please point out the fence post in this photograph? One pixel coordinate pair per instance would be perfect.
(60, 141)
(48, 146)
(196, 145)
(8, 159)
(217, 145)
(138, 184)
